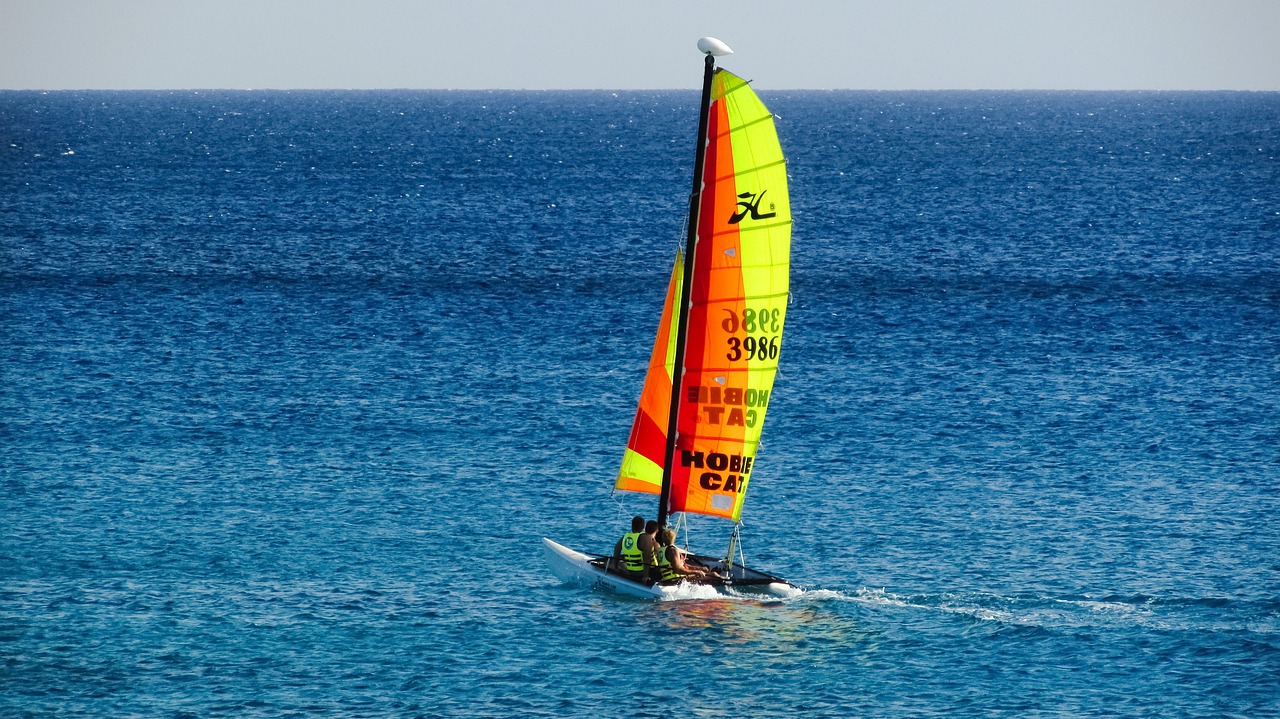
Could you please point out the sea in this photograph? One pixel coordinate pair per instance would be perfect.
(292, 385)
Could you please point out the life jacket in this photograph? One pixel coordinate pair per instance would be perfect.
(666, 569)
(632, 557)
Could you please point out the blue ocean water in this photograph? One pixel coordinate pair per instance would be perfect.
(293, 383)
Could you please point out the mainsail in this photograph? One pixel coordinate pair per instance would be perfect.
(737, 274)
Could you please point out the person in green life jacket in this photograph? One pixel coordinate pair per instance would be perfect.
(636, 555)
(672, 565)
(626, 552)
(627, 557)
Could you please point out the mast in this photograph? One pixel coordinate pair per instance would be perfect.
(712, 48)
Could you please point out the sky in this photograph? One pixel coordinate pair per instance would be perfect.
(640, 44)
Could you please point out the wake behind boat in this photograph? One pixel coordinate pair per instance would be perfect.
(696, 430)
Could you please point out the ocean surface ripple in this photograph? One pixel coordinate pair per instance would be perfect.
(293, 383)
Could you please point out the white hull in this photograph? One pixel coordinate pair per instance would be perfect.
(575, 568)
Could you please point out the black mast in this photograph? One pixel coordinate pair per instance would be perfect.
(682, 323)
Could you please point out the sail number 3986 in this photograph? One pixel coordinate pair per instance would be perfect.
(762, 330)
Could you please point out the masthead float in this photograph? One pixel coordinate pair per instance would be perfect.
(713, 47)
(697, 426)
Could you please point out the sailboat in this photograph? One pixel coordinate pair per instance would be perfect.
(710, 377)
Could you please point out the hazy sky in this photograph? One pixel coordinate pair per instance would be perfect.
(617, 44)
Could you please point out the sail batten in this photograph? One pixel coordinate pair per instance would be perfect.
(730, 370)
(757, 168)
(758, 228)
(738, 288)
(744, 128)
(732, 300)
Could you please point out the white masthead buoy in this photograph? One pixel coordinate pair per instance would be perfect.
(713, 47)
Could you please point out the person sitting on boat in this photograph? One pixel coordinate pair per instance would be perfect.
(628, 558)
(672, 564)
(649, 550)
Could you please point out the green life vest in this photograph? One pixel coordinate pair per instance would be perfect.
(668, 571)
(632, 557)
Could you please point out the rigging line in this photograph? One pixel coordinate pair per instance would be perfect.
(680, 239)
(735, 543)
(621, 509)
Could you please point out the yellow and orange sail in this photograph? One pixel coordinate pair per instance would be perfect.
(738, 303)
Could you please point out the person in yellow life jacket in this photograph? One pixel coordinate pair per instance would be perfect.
(671, 560)
(628, 559)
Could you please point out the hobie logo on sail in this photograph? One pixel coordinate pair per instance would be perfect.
(723, 405)
(750, 204)
(738, 466)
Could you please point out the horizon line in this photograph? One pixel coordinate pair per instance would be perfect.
(616, 90)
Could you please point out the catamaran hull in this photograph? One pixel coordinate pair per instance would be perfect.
(575, 567)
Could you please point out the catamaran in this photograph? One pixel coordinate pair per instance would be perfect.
(701, 411)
